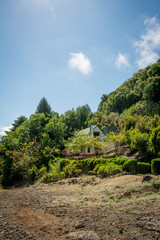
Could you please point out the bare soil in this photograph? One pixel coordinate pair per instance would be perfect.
(88, 208)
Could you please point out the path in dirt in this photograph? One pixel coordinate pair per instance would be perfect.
(85, 208)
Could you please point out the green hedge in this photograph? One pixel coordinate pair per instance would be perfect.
(109, 169)
(155, 166)
(143, 168)
(90, 163)
(119, 161)
(130, 166)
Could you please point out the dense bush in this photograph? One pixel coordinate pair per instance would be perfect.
(155, 140)
(130, 166)
(90, 163)
(109, 169)
(155, 166)
(143, 168)
(120, 161)
(10, 175)
(71, 170)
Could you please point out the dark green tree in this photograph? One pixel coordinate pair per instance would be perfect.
(18, 122)
(43, 106)
(82, 113)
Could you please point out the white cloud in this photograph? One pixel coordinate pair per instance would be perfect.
(80, 62)
(122, 61)
(3, 130)
(149, 43)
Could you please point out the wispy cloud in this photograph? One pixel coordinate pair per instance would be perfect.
(149, 43)
(80, 62)
(122, 61)
(52, 10)
(3, 130)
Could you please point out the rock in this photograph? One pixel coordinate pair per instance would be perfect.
(92, 173)
(83, 235)
(146, 178)
(79, 225)
(127, 194)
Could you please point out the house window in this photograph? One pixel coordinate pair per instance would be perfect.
(89, 150)
(96, 134)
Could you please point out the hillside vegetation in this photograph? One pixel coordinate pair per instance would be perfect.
(30, 150)
(141, 91)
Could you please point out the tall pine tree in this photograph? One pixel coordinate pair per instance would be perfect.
(43, 106)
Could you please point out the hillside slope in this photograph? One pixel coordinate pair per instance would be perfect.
(143, 88)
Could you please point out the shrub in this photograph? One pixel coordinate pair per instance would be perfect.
(70, 170)
(90, 163)
(49, 177)
(155, 140)
(139, 140)
(155, 166)
(109, 169)
(120, 161)
(63, 162)
(32, 173)
(130, 165)
(143, 168)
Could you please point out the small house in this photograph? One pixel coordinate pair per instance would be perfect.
(95, 131)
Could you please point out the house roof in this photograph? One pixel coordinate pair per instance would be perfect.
(87, 130)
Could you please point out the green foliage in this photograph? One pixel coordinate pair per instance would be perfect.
(126, 95)
(71, 170)
(155, 166)
(109, 169)
(120, 161)
(56, 131)
(141, 93)
(127, 122)
(79, 142)
(132, 110)
(43, 107)
(152, 89)
(154, 70)
(130, 166)
(32, 173)
(53, 173)
(90, 163)
(138, 140)
(143, 168)
(155, 140)
(75, 120)
(9, 176)
(18, 122)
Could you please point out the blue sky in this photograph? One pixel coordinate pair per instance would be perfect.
(71, 51)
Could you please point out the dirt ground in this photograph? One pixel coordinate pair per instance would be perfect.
(88, 208)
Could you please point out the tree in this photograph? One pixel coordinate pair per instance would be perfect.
(116, 139)
(152, 89)
(76, 119)
(82, 114)
(71, 122)
(18, 122)
(43, 107)
(55, 130)
(79, 142)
